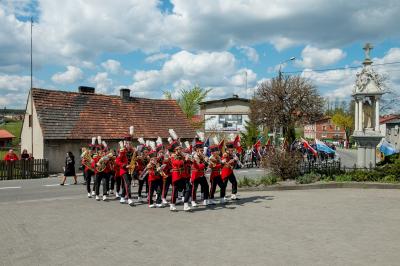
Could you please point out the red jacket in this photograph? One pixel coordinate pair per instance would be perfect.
(177, 169)
(10, 157)
(197, 170)
(153, 175)
(167, 167)
(226, 169)
(216, 170)
(122, 162)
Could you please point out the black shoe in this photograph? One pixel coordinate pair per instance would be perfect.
(62, 184)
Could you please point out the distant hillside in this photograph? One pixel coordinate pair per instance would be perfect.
(12, 111)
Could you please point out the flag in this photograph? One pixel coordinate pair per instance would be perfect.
(308, 147)
(387, 149)
(207, 151)
(236, 144)
(257, 145)
(221, 145)
(323, 147)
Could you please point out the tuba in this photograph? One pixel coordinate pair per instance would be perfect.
(87, 159)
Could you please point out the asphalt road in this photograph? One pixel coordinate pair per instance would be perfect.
(314, 227)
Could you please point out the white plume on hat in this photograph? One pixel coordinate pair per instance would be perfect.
(121, 145)
(99, 139)
(159, 141)
(93, 140)
(131, 130)
(147, 143)
(152, 145)
(170, 140)
(232, 137)
(187, 144)
(104, 143)
(215, 140)
(200, 135)
(141, 141)
(173, 134)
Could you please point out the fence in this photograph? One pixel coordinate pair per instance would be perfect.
(24, 169)
(326, 167)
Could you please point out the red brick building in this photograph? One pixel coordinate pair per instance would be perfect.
(324, 129)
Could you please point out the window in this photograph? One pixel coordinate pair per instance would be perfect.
(230, 120)
(337, 128)
(323, 128)
(30, 121)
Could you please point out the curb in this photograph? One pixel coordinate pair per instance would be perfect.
(323, 186)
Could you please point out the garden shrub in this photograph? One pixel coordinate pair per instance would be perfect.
(283, 164)
(246, 182)
(343, 178)
(390, 179)
(307, 178)
(267, 180)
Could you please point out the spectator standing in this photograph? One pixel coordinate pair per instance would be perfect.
(24, 155)
(10, 158)
(69, 169)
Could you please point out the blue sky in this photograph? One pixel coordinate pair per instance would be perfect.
(151, 46)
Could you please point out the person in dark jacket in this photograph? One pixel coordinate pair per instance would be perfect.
(69, 169)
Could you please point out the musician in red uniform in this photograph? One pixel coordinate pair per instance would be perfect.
(103, 173)
(229, 161)
(143, 178)
(88, 171)
(155, 181)
(167, 177)
(122, 163)
(215, 177)
(199, 165)
(179, 181)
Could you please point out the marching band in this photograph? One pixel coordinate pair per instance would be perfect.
(156, 167)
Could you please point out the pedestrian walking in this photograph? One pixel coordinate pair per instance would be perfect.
(69, 169)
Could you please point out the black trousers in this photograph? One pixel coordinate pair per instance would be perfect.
(202, 181)
(166, 183)
(126, 186)
(88, 179)
(217, 181)
(183, 184)
(141, 184)
(116, 183)
(155, 185)
(232, 179)
(99, 178)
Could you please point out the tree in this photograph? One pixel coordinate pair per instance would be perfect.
(249, 137)
(284, 102)
(344, 120)
(189, 101)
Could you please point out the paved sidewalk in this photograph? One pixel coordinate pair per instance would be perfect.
(313, 227)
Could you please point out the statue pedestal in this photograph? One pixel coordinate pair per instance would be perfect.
(366, 147)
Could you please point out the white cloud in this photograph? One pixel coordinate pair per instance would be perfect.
(72, 75)
(315, 57)
(102, 82)
(112, 66)
(14, 90)
(217, 70)
(156, 57)
(250, 52)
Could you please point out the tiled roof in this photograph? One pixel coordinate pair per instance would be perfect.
(73, 115)
(386, 118)
(4, 134)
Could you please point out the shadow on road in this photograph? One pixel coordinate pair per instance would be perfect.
(232, 204)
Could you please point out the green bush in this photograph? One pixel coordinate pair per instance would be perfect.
(283, 164)
(343, 178)
(307, 178)
(267, 180)
(390, 179)
(246, 182)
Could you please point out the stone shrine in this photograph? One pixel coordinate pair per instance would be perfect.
(367, 93)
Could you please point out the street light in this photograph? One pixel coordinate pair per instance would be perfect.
(281, 63)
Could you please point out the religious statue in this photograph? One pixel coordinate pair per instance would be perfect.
(367, 113)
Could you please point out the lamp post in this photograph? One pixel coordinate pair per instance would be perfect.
(281, 63)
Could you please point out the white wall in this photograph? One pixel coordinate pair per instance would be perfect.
(230, 107)
(26, 133)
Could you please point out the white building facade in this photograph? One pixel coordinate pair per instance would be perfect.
(227, 115)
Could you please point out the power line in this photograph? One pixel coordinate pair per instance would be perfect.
(337, 68)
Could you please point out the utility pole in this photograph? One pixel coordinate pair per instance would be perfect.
(31, 91)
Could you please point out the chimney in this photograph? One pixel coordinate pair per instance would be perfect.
(84, 89)
(125, 94)
(235, 96)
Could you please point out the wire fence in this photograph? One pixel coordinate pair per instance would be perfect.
(24, 169)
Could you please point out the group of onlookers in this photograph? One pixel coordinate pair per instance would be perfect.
(11, 156)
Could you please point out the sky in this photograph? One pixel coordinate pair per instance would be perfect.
(151, 46)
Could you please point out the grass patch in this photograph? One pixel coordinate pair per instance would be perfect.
(267, 180)
(307, 178)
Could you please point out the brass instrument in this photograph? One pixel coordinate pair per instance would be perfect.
(132, 164)
(87, 159)
(102, 163)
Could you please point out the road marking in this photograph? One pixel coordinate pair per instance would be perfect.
(55, 185)
(259, 170)
(243, 171)
(9, 187)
